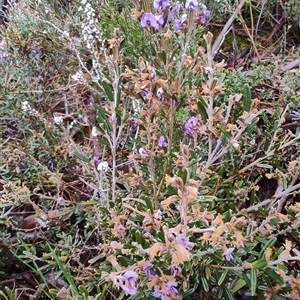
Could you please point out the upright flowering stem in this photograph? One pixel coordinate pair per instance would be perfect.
(210, 109)
(115, 133)
(186, 45)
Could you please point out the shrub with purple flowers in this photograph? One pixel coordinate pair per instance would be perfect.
(136, 163)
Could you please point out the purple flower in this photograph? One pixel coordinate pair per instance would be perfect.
(160, 20)
(191, 4)
(40, 78)
(148, 19)
(203, 15)
(171, 287)
(148, 271)
(191, 126)
(180, 22)
(205, 11)
(162, 142)
(159, 93)
(121, 228)
(4, 55)
(159, 294)
(143, 153)
(160, 4)
(228, 254)
(173, 9)
(184, 241)
(114, 118)
(127, 282)
(38, 51)
(60, 201)
(144, 93)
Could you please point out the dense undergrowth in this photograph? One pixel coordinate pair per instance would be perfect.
(149, 150)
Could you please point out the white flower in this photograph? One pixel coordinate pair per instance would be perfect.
(103, 166)
(94, 132)
(72, 124)
(28, 109)
(58, 120)
(25, 106)
(78, 76)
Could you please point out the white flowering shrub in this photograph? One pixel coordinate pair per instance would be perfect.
(135, 164)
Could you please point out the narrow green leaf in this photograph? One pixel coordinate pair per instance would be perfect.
(164, 57)
(207, 272)
(220, 292)
(10, 293)
(246, 98)
(269, 244)
(102, 118)
(238, 285)
(274, 276)
(66, 273)
(223, 130)
(259, 264)
(83, 291)
(81, 157)
(204, 284)
(104, 142)
(253, 279)
(202, 106)
(265, 166)
(228, 294)
(222, 277)
(119, 93)
(249, 229)
(3, 296)
(108, 91)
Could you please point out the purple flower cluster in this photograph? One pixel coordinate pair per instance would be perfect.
(171, 290)
(184, 241)
(161, 5)
(127, 282)
(156, 22)
(203, 15)
(162, 143)
(180, 22)
(148, 19)
(191, 126)
(37, 51)
(191, 4)
(148, 270)
(228, 254)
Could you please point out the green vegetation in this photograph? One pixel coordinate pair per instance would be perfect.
(148, 153)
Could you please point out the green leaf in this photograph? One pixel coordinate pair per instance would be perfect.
(108, 91)
(10, 293)
(246, 98)
(269, 244)
(264, 166)
(223, 130)
(83, 291)
(202, 106)
(163, 57)
(253, 280)
(207, 272)
(204, 284)
(102, 118)
(220, 292)
(222, 277)
(228, 294)
(81, 157)
(274, 276)
(104, 142)
(238, 285)
(259, 264)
